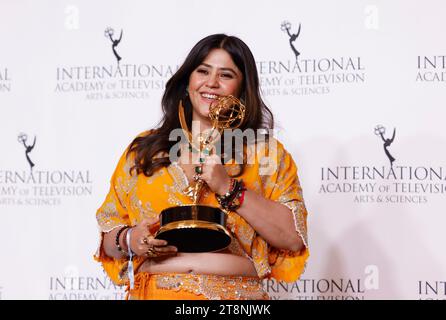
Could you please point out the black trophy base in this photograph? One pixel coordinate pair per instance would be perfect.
(194, 228)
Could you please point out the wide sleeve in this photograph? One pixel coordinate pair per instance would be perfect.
(113, 214)
(281, 183)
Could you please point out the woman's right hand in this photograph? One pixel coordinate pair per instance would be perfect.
(143, 243)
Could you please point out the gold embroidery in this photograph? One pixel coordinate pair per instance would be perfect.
(235, 248)
(143, 209)
(108, 216)
(172, 200)
(298, 210)
(178, 176)
(214, 287)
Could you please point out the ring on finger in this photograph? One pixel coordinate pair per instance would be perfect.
(151, 252)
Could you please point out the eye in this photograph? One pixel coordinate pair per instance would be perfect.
(202, 71)
(227, 75)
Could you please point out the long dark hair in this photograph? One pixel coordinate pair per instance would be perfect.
(257, 116)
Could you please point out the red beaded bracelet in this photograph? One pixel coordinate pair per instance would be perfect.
(233, 199)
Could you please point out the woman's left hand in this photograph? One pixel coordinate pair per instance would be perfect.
(215, 175)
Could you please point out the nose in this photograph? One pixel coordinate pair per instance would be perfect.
(212, 80)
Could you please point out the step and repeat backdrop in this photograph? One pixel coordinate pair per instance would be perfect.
(358, 93)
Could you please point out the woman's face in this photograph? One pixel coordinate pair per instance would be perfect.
(216, 76)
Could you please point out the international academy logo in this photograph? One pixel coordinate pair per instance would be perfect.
(300, 74)
(22, 138)
(71, 285)
(32, 184)
(286, 26)
(380, 131)
(353, 288)
(114, 77)
(393, 181)
(5, 80)
(109, 32)
(431, 69)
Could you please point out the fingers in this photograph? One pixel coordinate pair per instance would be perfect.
(160, 251)
(153, 248)
(155, 242)
(166, 249)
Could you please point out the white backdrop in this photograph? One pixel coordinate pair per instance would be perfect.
(374, 232)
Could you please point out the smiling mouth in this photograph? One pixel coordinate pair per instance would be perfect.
(209, 96)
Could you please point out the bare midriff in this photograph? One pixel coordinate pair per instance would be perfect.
(219, 263)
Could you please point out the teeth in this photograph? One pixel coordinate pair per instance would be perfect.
(209, 96)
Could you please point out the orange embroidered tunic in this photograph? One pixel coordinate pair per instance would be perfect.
(270, 171)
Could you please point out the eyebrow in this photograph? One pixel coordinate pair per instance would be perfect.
(224, 69)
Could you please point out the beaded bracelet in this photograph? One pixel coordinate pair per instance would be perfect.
(117, 239)
(234, 198)
(237, 200)
(224, 198)
(232, 185)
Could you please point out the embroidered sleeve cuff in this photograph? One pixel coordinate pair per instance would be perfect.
(298, 209)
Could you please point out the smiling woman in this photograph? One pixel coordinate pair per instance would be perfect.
(265, 212)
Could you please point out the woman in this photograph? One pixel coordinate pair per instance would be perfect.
(266, 213)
